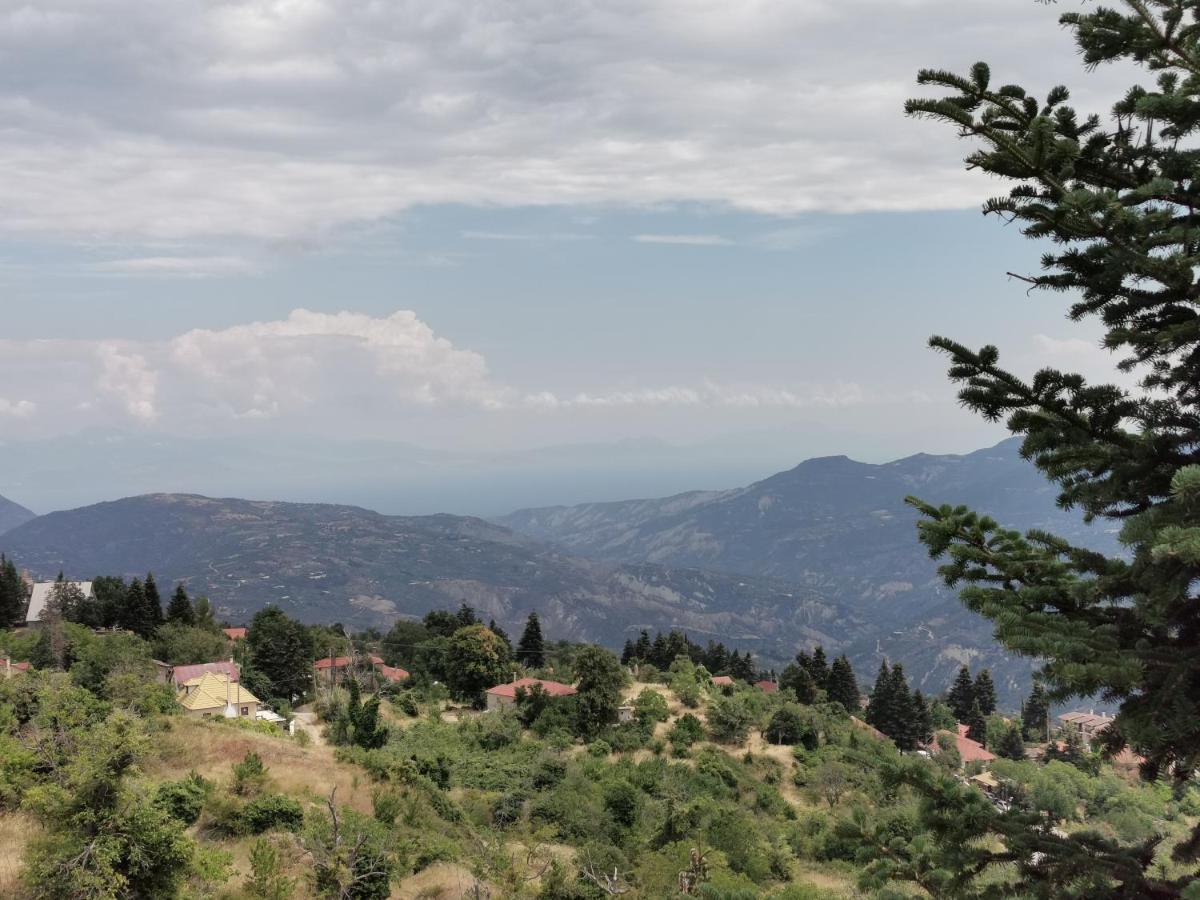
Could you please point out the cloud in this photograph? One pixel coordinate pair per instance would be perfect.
(329, 372)
(17, 409)
(278, 121)
(687, 240)
(176, 266)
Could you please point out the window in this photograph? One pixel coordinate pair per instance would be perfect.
(245, 710)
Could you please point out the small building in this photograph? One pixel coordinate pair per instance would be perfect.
(226, 667)
(235, 634)
(767, 686)
(394, 674)
(722, 680)
(332, 669)
(41, 594)
(1087, 724)
(162, 671)
(216, 694)
(8, 668)
(504, 696)
(625, 714)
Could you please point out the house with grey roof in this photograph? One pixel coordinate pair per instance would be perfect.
(42, 593)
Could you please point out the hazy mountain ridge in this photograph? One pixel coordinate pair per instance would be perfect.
(840, 528)
(330, 563)
(13, 514)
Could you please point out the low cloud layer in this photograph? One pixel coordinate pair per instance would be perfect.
(280, 121)
(348, 368)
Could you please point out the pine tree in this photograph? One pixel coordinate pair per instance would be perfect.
(843, 688)
(962, 695)
(531, 648)
(819, 668)
(797, 679)
(466, 616)
(1010, 745)
(132, 614)
(922, 720)
(180, 610)
(12, 594)
(628, 654)
(1035, 715)
(903, 730)
(976, 724)
(153, 615)
(881, 708)
(985, 692)
(642, 649)
(1114, 197)
(742, 667)
(500, 633)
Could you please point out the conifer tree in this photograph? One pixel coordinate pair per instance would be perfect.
(882, 704)
(819, 668)
(962, 695)
(12, 594)
(1035, 715)
(642, 649)
(1115, 196)
(903, 730)
(843, 688)
(531, 648)
(132, 614)
(921, 721)
(985, 692)
(1010, 745)
(796, 678)
(180, 610)
(976, 724)
(153, 616)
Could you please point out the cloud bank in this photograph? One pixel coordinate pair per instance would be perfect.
(279, 120)
(309, 368)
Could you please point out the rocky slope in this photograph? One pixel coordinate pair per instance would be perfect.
(326, 563)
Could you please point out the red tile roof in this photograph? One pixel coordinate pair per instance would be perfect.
(234, 634)
(722, 679)
(392, 673)
(553, 688)
(969, 750)
(376, 659)
(767, 687)
(18, 666)
(227, 667)
(338, 662)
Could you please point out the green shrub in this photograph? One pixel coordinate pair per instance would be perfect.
(600, 748)
(183, 800)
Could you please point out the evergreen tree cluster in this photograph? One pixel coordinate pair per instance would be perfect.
(664, 648)
(901, 714)
(13, 596)
(972, 701)
(811, 677)
(136, 606)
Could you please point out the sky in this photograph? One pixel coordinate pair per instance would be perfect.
(491, 227)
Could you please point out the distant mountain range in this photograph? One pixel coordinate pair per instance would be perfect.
(327, 563)
(825, 552)
(841, 529)
(13, 514)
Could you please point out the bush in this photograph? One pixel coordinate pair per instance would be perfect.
(183, 800)
(600, 749)
(273, 812)
(506, 810)
(249, 775)
(650, 707)
(729, 720)
(686, 731)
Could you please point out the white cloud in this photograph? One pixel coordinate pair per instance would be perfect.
(326, 371)
(18, 409)
(281, 120)
(179, 266)
(687, 240)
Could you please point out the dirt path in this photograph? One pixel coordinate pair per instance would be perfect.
(307, 721)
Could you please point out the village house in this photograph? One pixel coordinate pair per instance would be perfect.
(1087, 724)
(504, 696)
(42, 591)
(234, 634)
(216, 694)
(8, 668)
(767, 687)
(722, 681)
(227, 667)
(969, 751)
(333, 669)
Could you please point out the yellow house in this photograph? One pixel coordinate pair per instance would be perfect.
(215, 694)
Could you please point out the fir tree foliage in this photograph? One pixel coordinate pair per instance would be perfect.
(1117, 197)
(843, 687)
(984, 692)
(531, 648)
(180, 610)
(962, 695)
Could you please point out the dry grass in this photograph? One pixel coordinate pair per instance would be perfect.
(211, 748)
(16, 831)
(441, 881)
